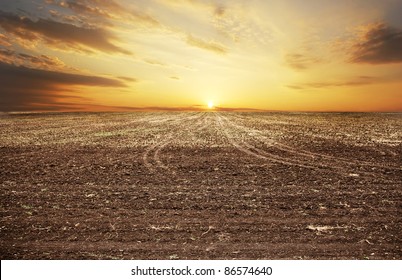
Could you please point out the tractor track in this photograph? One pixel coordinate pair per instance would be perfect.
(305, 159)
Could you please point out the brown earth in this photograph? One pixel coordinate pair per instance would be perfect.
(200, 186)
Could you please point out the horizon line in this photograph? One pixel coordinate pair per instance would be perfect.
(124, 109)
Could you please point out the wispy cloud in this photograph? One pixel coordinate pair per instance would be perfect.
(127, 79)
(211, 46)
(379, 44)
(357, 81)
(60, 34)
(299, 61)
(154, 62)
(101, 11)
(216, 7)
(223, 20)
(242, 25)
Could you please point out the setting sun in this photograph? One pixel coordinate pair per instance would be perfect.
(210, 104)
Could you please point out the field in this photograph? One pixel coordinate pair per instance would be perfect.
(201, 185)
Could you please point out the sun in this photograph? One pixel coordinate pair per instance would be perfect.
(210, 104)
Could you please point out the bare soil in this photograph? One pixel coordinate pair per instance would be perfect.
(201, 186)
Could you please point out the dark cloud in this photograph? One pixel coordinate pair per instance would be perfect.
(84, 8)
(46, 104)
(76, 20)
(379, 44)
(60, 34)
(146, 108)
(23, 88)
(219, 11)
(300, 61)
(358, 81)
(206, 45)
(4, 41)
(127, 79)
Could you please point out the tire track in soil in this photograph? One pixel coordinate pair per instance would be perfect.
(305, 163)
(197, 126)
(254, 151)
(155, 146)
(156, 163)
(312, 155)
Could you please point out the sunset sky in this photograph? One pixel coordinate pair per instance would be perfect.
(297, 55)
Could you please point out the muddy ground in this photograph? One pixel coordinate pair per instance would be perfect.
(200, 186)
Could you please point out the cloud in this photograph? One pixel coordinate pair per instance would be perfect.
(300, 61)
(378, 44)
(23, 88)
(30, 61)
(155, 62)
(145, 108)
(60, 34)
(216, 8)
(103, 10)
(127, 79)
(76, 20)
(83, 8)
(206, 45)
(3, 41)
(219, 10)
(357, 81)
(240, 24)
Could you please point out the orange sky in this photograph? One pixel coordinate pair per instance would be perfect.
(182, 54)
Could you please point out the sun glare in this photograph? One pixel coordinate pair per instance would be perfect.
(210, 104)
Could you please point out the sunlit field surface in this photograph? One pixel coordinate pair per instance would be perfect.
(204, 185)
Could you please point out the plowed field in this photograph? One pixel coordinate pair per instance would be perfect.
(201, 185)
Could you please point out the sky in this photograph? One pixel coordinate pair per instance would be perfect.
(119, 55)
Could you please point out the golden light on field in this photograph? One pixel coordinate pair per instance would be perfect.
(164, 54)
